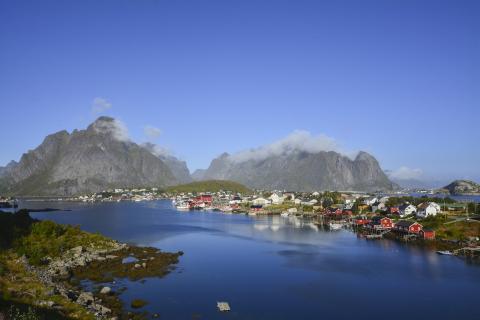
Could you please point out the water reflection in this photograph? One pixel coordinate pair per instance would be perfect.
(279, 268)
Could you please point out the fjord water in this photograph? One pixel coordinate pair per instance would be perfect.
(278, 268)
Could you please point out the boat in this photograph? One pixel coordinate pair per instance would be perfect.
(445, 252)
(284, 214)
(335, 226)
(183, 206)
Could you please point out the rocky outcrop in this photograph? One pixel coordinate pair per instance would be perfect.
(90, 160)
(178, 167)
(57, 271)
(303, 171)
(463, 187)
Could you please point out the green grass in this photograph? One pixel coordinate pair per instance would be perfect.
(210, 186)
(38, 239)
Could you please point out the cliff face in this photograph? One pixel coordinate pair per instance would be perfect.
(86, 161)
(304, 171)
(178, 167)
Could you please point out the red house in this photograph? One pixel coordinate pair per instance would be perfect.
(381, 223)
(206, 198)
(394, 210)
(361, 222)
(427, 234)
(408, 227)
(347, 212)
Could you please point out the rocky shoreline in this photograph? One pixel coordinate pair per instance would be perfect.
(53, 274)
(61, 276)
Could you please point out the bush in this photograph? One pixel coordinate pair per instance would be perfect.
(3, 267)
(16, 314)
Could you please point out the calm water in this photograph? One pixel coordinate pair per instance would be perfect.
(276, 268)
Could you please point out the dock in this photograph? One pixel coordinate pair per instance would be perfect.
(223, 306)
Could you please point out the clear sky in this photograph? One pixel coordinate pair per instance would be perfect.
(399, 79)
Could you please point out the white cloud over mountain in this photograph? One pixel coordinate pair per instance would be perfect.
(297, 141)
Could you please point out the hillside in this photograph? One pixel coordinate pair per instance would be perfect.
(463, 187)
(211, 186)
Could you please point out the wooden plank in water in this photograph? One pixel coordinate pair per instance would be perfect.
(223, 306)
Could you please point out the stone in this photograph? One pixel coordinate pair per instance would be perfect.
(77, 250)
(85, 298)
(101, 309)
(137, 266)
(106, 290)
(48, 304)
(144, 265)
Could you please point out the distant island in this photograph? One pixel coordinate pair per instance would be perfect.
(463, 187)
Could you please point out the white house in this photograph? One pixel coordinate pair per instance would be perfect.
(370, 201)
(383, 199)
(260, 201)
(407, 209)
(316, 194)
(427, 209)
(276, 199)
(313, 202)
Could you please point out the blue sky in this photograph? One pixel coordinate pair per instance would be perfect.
(399, 79)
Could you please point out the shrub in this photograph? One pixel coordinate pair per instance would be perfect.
(16, 314)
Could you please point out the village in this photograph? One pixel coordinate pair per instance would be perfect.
(370, 216)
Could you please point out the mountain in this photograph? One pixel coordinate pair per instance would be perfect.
(178, 167)
(463, 187)
(198, 174)
(303, 171)
(84, 161)
(4, 170)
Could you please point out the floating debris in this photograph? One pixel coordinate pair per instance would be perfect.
(223, 306)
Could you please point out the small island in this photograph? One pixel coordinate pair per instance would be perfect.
(462, 187)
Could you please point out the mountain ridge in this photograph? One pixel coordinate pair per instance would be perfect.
(89, 160)
(303, 171)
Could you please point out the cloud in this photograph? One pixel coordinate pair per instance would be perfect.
(156, 149)
(151, 132)
(297, 141)
(405, 173)
(100, 105)
(115, 127)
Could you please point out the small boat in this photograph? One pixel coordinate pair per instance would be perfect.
(445, 252)
(284, 214)
(335, 226)
(183, 206)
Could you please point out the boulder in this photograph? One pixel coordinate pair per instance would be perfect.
(85, 298)
(106, 290)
